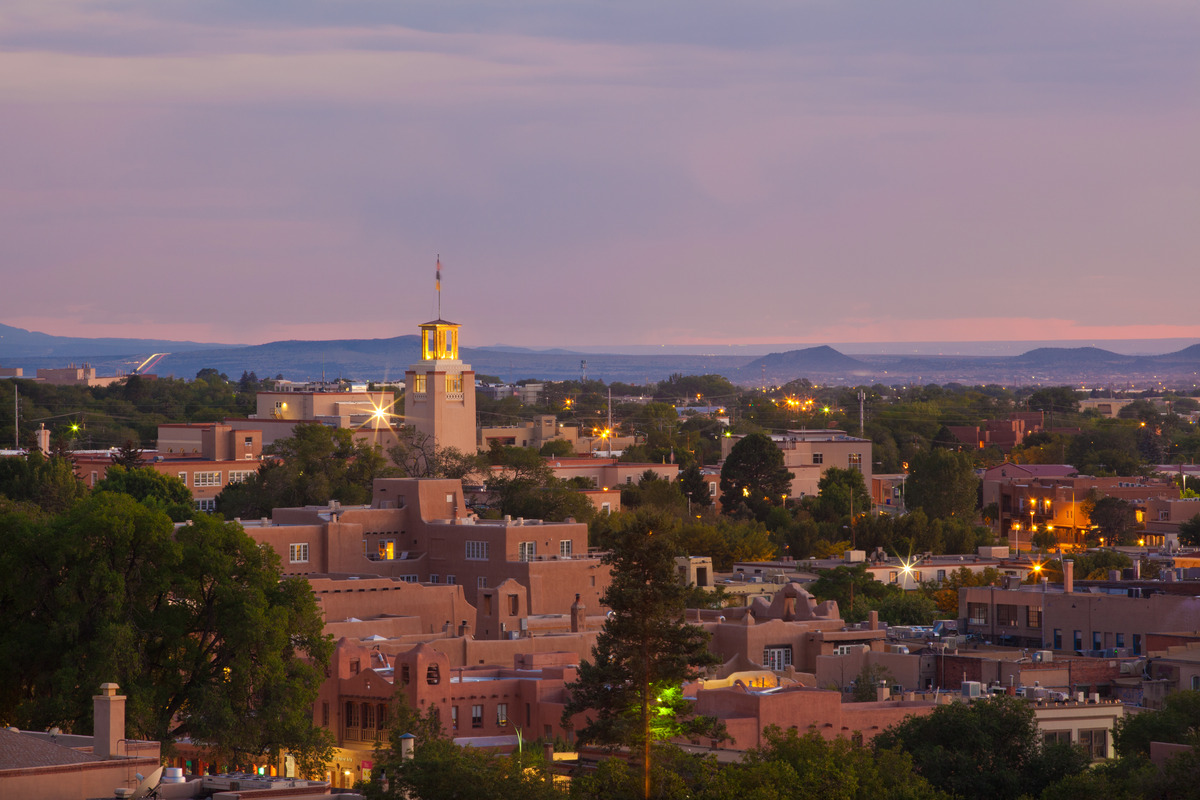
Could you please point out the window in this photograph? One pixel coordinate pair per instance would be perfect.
(387, 549)
(418, 384)
(941, 575)
(514, 605)
(451, 580)
(1058, 638)
(351, 714)
(1137, 644)
(1096, 645)
(818, 458)
(433, 675)
(237, 476)
(410, 578)
(368, 715)
(450, 499)
(477, 551)
(298, 553)
(454, 717)
(1078, 640)
(893, 576)
(381, 716)
(501, 713)
(95, 476)
(565, 547)
(1195, 682)
(1006, 615)
(454, 384)
(1095, 743)
(777, 657)
(434, 577)
(481, 582)
(856, 460)
(477, 716)
(183, 477)
(1120, 640)
(206, 504)
(712, 488)
(405, 674)
(248, 441)
(206, 479)
(324, 715)
(628, 479)
(526, 551)
(355, 666)
(606, 508)
(1056, 737)
(1033, 617)
(977, 613)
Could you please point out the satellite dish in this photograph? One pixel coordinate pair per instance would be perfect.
(148, 784)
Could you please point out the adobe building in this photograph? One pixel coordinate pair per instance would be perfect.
(807, 454)
(420, 531)
(206, 456)
(368, 414)
(76, 376)
(439, 395)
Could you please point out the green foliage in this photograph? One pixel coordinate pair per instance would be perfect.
(47, 482)
(854, 589)
(315, 465)
(753, 478)
(151, 488)
(694, 486)
(417, 455)
(870, 678)
(841, 492)
(1189, 532)
(557, 448)
(1178, 722)
(942, 484)
(1114, 518)
(629, 691)
(907, 608)
(195, 625)
(1054, 400)
(441, 769)
(527, 488)
(987, 749)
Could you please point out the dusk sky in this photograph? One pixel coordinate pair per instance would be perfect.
(601, 172)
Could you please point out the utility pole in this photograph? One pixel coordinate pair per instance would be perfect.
(862, 396)
(16, 417)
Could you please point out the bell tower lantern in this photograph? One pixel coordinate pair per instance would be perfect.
(439, 394)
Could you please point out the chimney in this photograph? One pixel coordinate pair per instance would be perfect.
(874, 621)
(578, 619)
(109, 725)
(464, 628)
(1068, 576)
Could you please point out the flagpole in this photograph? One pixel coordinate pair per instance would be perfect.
(439, 284)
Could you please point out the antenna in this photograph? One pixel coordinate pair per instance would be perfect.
(438, 276)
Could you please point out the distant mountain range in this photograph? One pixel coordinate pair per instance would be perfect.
(387, 359)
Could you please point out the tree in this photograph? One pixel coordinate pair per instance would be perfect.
(1114, 518)
(1054, 399)
(1178, 722)
(694, 486)
(418, 456)
(842, 493)
(151, 488)
(869, 679)
(942, 484)
(315, 464)
(128, 455)
(527, 487)
(557, 448)
(1189, 532)
(197, 626)
(50, 483)
(631, 690)
(989, 749)
(753, 478)
(854, 589)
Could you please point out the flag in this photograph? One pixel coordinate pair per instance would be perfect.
(439, 273)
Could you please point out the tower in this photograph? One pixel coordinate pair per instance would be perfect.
(439, 396)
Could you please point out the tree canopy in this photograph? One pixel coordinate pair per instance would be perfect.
(943, 484)
(631, 690)
(753, 478)
(195, 625)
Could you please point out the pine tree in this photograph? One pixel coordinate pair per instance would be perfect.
(631, 691)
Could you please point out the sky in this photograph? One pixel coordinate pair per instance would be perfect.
(619, 172)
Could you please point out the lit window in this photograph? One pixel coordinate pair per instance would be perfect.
(502, 713)
(418, 384)
(298, 553)
(856, 460)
